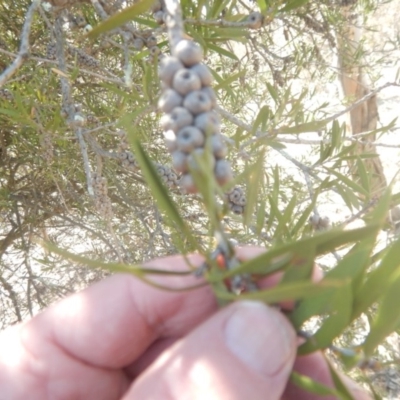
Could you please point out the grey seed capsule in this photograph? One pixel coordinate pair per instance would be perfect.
(138, 43)
(154, 51)
(237, 209)
(131, 157)
(126, 164)
(189, 138)
(204, 74)
(123, 156)
(185, 81)
(156, 6)
(242, 201)
(180, 161)
(177, 119)
(223, 172)
(169, 100)
(159, 17)
(151, 41)
(187, 184)
(235, 194)
(208, 122)
(160, 170)
(170, 141)
(169, 66)
(189, 52)
(218, 146)
(172, 177)
(210, 92)
(255, 20)
(197, 102)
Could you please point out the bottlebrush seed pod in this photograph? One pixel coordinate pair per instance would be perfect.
(154, 51)
(156, 6)
(218, 146)
(187, 184)
(151, 41)
(123, 156)
(204, 74)
(138, 44)
(211, 94)
(241, 201)
(169, 66)
(189, 52)
(159, 17)
(180, 161)
(223, 172)
(185, 81)
(189, 138)
(169, 100)
(177, 119)
(208, 122)
(235, 194)
(255, 20)
(197, 102)
(170, 140)
(131, 157)
(237, 209)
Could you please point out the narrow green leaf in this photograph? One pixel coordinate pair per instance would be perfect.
(160, 193)
(333, 326)
(285, 292)
(292, 4)
(221, 51)
(350, 183)
(388, 315)
(306, 383)
(255, 182)
(341, 388)
(364, 176)
(121, 18)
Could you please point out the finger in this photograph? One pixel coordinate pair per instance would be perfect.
(244, 351)
(114, 321)
(315, 366)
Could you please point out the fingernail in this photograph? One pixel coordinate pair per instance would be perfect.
(260, 337)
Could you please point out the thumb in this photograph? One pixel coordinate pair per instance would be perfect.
(246, 350)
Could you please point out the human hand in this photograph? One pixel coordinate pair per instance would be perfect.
(124, 339)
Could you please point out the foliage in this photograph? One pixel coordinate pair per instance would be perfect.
(75, 182)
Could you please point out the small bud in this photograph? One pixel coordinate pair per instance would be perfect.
(138, 44)
(151, 41)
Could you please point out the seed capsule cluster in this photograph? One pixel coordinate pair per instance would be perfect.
(236, 200)
(168, 176)
(188, 102)
(126, 157)
(102, 201)
(319, 223)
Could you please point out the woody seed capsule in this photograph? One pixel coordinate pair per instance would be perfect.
(169, 100)
(189, 138)
(197, 102)
(185, 81)
(217, 146)
(208, 122)
(188, 52)
(255, 20)
(204, 74)
(187, 184)
(177, 119)
(223, 172)
(170, 140)
(169, 66)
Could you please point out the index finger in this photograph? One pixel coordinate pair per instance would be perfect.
(113, 322)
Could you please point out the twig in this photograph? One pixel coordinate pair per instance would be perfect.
(86, 162)
(174, 22)
(23, 53)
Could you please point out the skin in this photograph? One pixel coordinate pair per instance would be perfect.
(124, 339)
